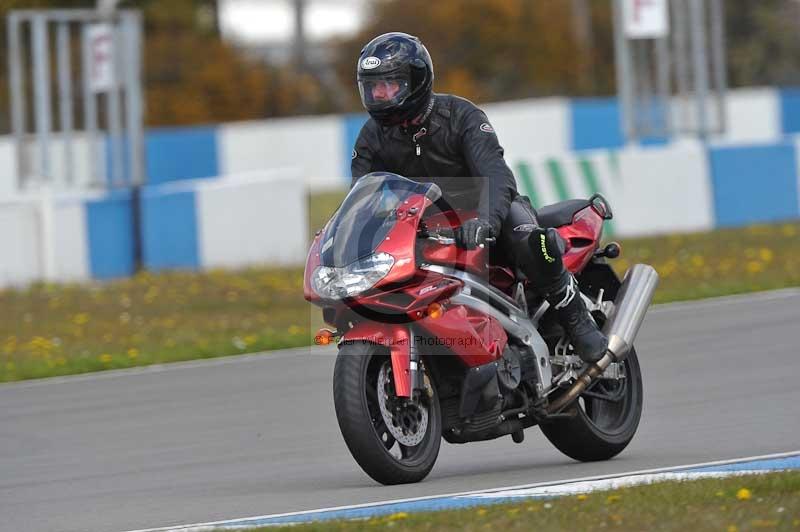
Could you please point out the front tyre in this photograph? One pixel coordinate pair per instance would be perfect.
(393, 439)
(607, 416)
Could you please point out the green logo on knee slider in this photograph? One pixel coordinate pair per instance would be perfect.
(547, 257)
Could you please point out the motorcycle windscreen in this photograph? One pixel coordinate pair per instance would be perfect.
(367, 214)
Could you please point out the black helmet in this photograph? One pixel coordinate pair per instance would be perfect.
(395, 77)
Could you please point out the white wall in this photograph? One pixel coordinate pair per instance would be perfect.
(81, 162)
(8, 167)
(43, 239)
(524, 126)
(754, 114)
(313, 144)
(664, 190)
(19, 243)
(252, 219)
(651, 190)
(71, 246)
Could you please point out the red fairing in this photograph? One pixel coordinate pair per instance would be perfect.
(582, 238)
(399, 243)
(396, 338)
(474, 261)
(475, 338)
(401, 240)
(414, 296)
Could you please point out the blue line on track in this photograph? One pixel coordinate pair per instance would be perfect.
(775, 464)
(782, 462)
(465, 501)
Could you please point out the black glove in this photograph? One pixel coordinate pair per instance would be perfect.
(473, 232)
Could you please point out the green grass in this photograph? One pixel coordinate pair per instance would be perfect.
(320, 208)
(48, 330)
(753, 502)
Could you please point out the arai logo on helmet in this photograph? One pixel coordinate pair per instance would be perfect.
(368, 63)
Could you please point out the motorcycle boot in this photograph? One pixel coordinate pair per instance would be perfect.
(587, 340)
(540, 260)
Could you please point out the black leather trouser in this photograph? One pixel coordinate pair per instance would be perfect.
(530, 249)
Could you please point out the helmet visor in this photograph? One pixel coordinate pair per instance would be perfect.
(382, 93)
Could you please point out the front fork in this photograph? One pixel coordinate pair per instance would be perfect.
(403, 350)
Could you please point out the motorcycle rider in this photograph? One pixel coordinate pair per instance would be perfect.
(445, 139)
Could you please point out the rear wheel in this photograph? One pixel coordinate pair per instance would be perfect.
(395, 440)
(607, 416)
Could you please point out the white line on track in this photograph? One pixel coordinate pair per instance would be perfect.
(210, 525)
(754, 297)
(771, 295)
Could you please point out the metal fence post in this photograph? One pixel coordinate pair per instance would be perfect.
(18, 118)
(625, 87)
(131, 24)
(65, 98)
(41, 90)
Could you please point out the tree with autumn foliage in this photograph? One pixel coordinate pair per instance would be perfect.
(492, 50)
(485, 50)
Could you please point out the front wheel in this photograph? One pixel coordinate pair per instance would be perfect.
(607, 416)
(395, 440)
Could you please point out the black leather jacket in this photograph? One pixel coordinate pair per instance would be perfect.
(455, 147)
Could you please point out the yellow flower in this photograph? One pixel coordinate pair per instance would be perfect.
(133, 353)
(612, 498)
(744, 494)
(720, 494)
(754, 267)
(513, 511)
(250, 339)
(733, 528)
(105, 358)
(80, 319)
(766, 254)
(481, 511)
(398, 516)
(582, 497)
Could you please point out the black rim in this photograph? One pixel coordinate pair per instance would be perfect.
(607, 403)
(408, 417)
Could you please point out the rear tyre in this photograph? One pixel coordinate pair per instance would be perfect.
(607, 416)
(394, 440)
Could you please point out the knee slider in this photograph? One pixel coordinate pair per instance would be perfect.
(547, 246)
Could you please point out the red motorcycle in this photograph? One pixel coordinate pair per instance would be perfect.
(435, 341)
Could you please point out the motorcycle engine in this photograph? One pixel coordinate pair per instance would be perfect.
(509, 368)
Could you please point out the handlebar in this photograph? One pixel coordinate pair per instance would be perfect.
(446, 237)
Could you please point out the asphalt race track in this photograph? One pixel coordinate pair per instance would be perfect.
(257, 435)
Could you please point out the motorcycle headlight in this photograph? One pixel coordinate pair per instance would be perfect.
(353, 279)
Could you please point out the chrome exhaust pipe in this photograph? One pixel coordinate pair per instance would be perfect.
(621, 328)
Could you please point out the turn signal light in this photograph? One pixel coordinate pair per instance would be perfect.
(435, 311)
(324, 337)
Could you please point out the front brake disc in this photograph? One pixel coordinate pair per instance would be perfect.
(406, 420)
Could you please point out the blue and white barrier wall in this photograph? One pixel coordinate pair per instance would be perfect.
(261, 217)
(235, 221)
(651, 190)
(682, 187)
(321, 146)
(244, 219)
